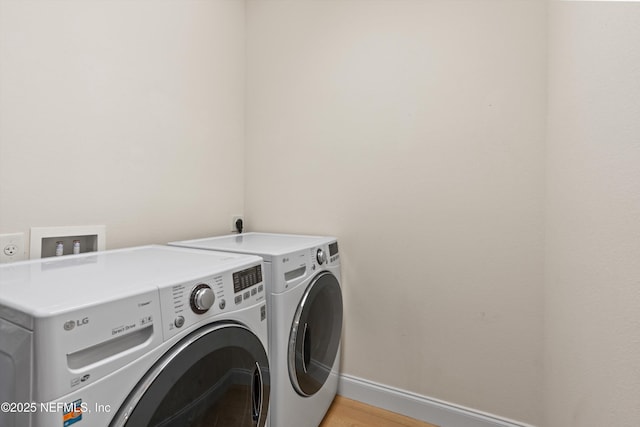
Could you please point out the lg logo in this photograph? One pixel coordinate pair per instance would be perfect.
(70, 324)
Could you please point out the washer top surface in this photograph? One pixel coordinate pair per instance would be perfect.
(48, 286)
(263, 244)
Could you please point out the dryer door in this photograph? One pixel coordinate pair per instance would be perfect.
(315, 334)
(218, 375)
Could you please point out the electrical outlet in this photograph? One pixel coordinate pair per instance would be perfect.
(233, 222)
(11, 247)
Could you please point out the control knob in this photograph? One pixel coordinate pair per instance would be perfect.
(321, 257)
(202, 298)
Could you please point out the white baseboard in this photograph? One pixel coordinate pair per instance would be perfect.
(434, 411)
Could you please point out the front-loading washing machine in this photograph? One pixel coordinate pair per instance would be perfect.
(304, 301)
(147, 336)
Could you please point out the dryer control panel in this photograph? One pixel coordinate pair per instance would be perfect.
(295, 267)
(196, 301)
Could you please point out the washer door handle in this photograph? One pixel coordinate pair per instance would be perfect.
(256, 394)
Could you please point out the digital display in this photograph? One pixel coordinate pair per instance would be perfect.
(246, 278)
(333, 248)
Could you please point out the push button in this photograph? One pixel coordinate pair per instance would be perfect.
(179, 322)
(238, 299)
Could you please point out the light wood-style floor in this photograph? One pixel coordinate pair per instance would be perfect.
(350, 413)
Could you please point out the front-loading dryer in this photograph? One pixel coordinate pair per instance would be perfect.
(147, 336)
(305, 319)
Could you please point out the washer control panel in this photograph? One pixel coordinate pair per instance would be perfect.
(195, 301)
(244, 284)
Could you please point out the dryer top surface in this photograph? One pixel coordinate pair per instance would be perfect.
(49, 286)
(263, 244)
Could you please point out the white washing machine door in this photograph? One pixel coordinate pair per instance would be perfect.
(218, 375)
(315, 334)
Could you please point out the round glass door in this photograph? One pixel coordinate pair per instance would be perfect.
(315, 334)
(219, 375)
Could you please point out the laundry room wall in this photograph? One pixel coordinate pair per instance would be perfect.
(414, 131)
(123, 113)
(593, 253)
